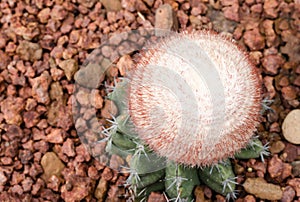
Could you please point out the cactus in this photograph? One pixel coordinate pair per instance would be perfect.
(174, 159)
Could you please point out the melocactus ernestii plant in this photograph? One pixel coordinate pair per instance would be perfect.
(191, 103)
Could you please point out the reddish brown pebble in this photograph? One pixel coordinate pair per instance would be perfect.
(68, 148)
(288, 194)
(31, 118)
(254, 40)
(81, 188)
(279, 170)
(40, 87)
(54, 183)
(295, 183)
(27, 184)
(277, 147)
(289, 93)
(270, 8)
(249, 198)
(272, 63)
(107, 174)
(109, 110)
(156, 197)
(55, 136)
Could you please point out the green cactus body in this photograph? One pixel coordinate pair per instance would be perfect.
(122, 141)
(125, 125)
(148, 179)
(219, 177)
(143, 162)
(253, 150)
(180, 181)
(143, 193)
(119, 96)
(112, 149)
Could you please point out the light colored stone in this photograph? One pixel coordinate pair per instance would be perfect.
(101, 190)
(52, 165)
(29, 51)
(261, 189)
(69, 66)
(165, 20)
(291, 127)
(112, 5)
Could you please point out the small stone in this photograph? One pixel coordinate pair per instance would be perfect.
(270, 8)
(58, 13)
(232, 12)
(29, 51)
(268, 81)
(17, 178)
(44, 15)
(96, 99)
(56, 91)
(125, 64)
(107, 174)
(261, 189)
(14, 132)
(91, 76)
(112, 5)
(31, 118)
(254, 40)
(289, 93)
(295, 183)
(82, 96)
(81, 188)
(82, 154)
(59, 115)
(199, 194)
(165, 20)
(249, 198)
(5, 60)
(37, 186)
(272, 63)
(25, 156)
(291, 127)
(290, 152)
(3, 178)
(68, 148)
(101, 190)
(288, 194)
(109, 110)
(156, 197)
(182, 18)
(296, 168)
(27, 184)
(40, 87)
(55, 136)
(11, 108)
(277, 147)
(93, 173)
(17, 189)
(54, 183)
(52, 165)
(279, 170)
(69, 66)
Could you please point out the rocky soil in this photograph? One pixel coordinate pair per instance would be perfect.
(43, 43)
